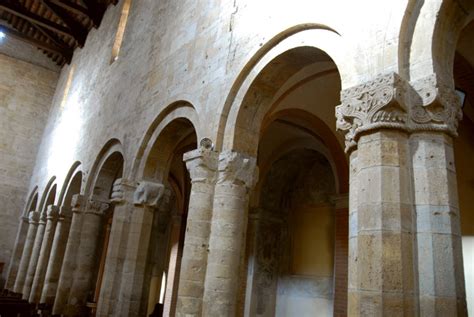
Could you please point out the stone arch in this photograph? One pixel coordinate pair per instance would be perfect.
(49, 195)
(321, 38)
(111, 153)
(330, 146)
(434, 37)
(31, 202)
(158, 137)
(75, 171)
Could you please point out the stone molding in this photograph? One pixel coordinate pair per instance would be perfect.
(148, 194)
(122, 191)
(437, 106)
(33, 217)
(77, 203)
(97, 207)
(202, 164)
(390, 102)
(238, 169)
(52, 213)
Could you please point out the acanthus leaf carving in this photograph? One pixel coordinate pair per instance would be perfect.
(97, 207)
(373, 105)
(436, 106)
(122, 191)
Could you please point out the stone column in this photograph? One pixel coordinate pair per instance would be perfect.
(202, 166)
(58, 250)
(38, 280)
(17, 252)
(87, 256)
(34, 256)
(381, 240)
(440, 266)
(70, 255)
(122, 198)
(236, 176)
(146, 199)
(33, 219)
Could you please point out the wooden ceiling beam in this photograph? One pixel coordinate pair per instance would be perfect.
(96, 11)
(70, 6)
(80, 33)
(21, 12)
(65, 52)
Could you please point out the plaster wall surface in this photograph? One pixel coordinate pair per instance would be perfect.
(26, 92)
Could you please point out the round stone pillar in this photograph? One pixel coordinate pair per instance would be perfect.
(69, 261)
(38, 281)
(436, 112)
(34, 256)
(145, 202)
(58, 249)
(374, 117)
(122, 199)
(86, 259)
(17, 252)
(202, 166)
(33, 219)
(236, 175)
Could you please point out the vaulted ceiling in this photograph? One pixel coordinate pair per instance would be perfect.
(56, 27)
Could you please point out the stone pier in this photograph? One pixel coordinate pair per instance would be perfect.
(236, 176)
(202, 166)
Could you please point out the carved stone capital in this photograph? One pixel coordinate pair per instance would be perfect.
(379, 103)
(77, 203)
(202, 164)
(148, 194)
(97, 207)
(33, 217)
(236, 168)
(122, 191)
(65, 213)
(436, 106)
(52, 213)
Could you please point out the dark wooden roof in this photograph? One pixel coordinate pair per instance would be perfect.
(56, 27)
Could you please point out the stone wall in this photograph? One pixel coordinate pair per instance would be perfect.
(26, 92)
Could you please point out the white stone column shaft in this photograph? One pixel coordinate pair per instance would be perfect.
(146, 200)
(87, 257)
(33, 217)
(440, 265)
(56, 258)
(202, 166)
(236, 175)
(34, 256)
(17, 253)
(122, 198)
(38, 280)
(70, 256)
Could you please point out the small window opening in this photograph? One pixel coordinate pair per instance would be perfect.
(120, 30)
(163, 288)
(67, 87)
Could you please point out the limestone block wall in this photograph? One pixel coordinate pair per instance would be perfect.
(26, 91)
(185, 50)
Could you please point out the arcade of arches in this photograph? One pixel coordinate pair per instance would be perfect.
(320, 165)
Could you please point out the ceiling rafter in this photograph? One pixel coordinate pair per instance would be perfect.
(56, 27)
(65, 52)
(79, 32)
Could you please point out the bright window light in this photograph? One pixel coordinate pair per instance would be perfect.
(2, 35)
